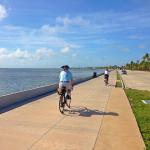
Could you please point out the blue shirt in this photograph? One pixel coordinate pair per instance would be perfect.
(65, 76)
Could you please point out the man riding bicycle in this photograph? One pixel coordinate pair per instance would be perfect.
(66, 80)
(106, 76)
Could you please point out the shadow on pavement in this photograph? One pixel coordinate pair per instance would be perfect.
(86, 112)
(111, 85)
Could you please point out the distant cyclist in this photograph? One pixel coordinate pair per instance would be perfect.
(106, 76)
(66, 80)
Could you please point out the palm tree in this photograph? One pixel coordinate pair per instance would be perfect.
(132, 64)
(146, 57)
(144, 64)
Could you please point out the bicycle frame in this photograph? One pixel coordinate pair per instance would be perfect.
(63, 101)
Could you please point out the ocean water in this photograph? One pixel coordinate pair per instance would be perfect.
(14, 80)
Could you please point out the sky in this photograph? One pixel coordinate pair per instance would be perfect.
(80, 33)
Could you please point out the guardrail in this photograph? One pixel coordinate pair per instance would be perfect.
(14, 98)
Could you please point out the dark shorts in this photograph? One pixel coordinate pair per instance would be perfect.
(106, 76)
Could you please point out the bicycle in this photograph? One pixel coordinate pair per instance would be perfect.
(63, 100)
(106, 79)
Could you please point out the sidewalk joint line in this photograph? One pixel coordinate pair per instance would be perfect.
(99, 132)
(49, 129)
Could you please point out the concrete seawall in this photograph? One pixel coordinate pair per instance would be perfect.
(10, 99)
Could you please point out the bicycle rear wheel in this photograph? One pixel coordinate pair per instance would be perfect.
(61, 104)
(106, 81)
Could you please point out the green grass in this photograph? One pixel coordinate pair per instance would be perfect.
(118, 76)
(141, 112)
(118, 84)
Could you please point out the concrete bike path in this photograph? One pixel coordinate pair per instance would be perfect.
(40, 126)
(122, 132)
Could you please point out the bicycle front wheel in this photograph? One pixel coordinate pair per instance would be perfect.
(68, 102)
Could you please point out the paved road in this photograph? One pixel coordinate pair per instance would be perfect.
(40, 126)
(137, 80)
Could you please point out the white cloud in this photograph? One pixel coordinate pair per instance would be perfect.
(50, 29)
(43, 52)
(66, 49)
(125, 49)
(19, 54)
(24, 54)
(74, 55)
(72, 21)
(3, 12)
(141, 46)
(119, 21)
(135, 37)
(66, 37)
(3, 51)
(12, 28)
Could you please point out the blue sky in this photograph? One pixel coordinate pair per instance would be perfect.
(50, 33)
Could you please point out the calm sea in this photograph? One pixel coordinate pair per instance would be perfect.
(15, 80)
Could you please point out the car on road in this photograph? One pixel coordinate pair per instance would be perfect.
(123, 71)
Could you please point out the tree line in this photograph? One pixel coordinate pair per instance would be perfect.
(143, 64)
